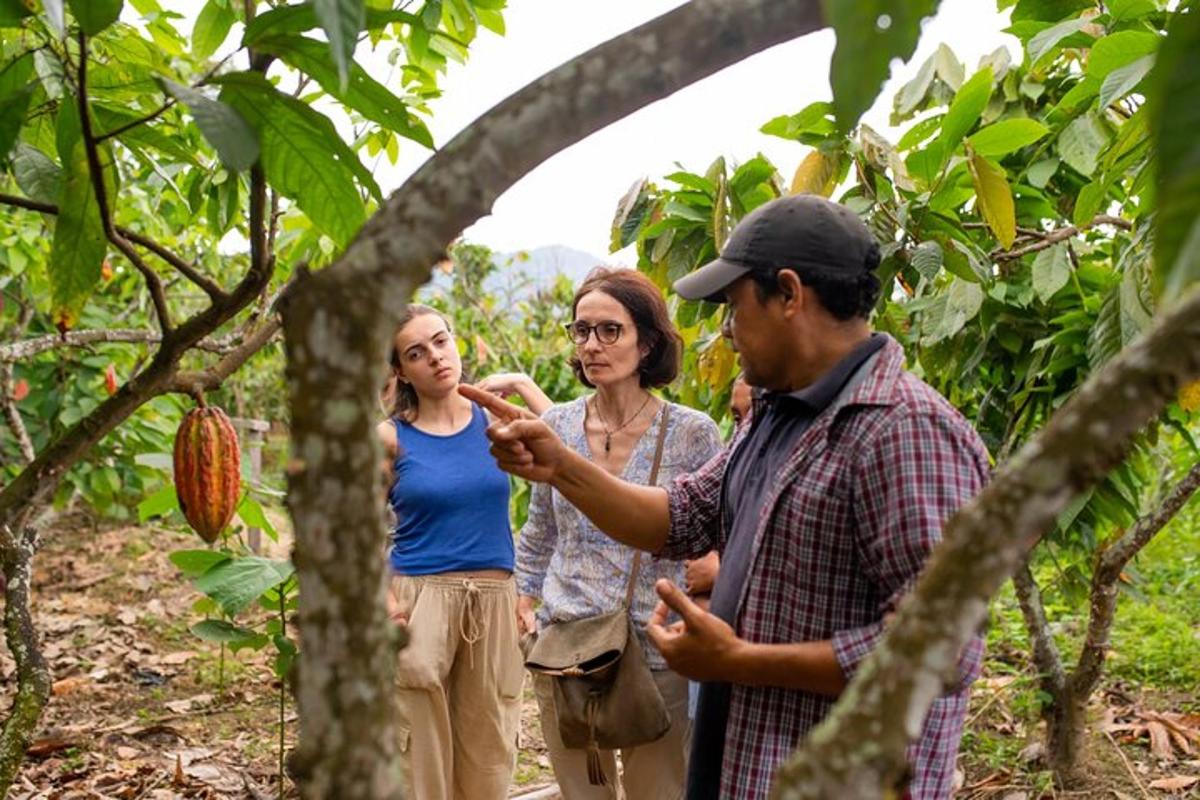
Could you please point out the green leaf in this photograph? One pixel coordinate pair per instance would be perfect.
(13, 13)
(870, 33)
(1081, 143)
(238, 582)
(194, 563)
(252, 514)
(38, 176)
(1123, 80)
(1118, 49)
(965, 109)
(12, 117)
(341, 20)
(1040, 172)
(1043, 43)
(302, 17)
(223, 127)
(994, 198)
(218, 631)
(1088, 202)
(95, 15)
(927, 259)
(1051, 271)
(303, 156)
(1006, 136)
(913, 93)
(1174, 101)
(164, 501)
(363, 93)
(815, 119)
(79, 243)
(212, 26)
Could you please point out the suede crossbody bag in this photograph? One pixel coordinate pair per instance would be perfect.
(605, 696)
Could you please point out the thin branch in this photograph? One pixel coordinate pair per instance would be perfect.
(1050, 238)
(1106, 576)
(128, 126)
(1046, 655)
(27, 348)
(12, 415)
(96, 173)
(1137, 537)
(208, 379)
(207, 284)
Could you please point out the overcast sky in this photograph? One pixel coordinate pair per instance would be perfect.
(570, 199)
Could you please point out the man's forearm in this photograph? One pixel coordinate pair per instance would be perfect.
(807, 666)
(638, 516)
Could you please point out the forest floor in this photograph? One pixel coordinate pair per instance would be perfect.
(143, 709)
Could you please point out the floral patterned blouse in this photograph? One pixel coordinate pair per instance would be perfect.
(577, 571)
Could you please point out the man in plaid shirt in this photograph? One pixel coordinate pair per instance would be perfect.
(824, 508)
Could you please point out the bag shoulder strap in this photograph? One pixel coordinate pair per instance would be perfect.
(658, 453)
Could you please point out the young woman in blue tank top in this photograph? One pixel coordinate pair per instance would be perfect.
(460, 676)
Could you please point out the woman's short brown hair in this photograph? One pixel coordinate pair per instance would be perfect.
(644, 302)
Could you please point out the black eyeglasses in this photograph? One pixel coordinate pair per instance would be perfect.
(606, 332)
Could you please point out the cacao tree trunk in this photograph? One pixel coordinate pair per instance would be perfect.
(17, 546)
(1067, 718)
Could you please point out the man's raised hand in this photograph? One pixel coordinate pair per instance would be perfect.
(521, 443)
(701, 645)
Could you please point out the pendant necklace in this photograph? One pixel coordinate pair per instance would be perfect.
(608, 434)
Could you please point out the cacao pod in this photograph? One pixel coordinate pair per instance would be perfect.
(208, 470)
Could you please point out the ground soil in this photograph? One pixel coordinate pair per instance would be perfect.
(143, 709)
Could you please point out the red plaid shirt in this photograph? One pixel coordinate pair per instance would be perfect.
(848, 525)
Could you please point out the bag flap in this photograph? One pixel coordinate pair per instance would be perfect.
(579, 643)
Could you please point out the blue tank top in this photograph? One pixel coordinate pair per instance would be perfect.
(451, 502)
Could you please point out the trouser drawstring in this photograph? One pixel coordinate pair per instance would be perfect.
(468, 619)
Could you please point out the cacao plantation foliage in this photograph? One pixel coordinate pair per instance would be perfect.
(161, 190)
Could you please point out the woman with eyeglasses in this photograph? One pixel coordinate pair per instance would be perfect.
(461, 675)
(625, 346)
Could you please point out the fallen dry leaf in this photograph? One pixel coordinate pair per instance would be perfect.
(1175, 784)
(68, 685)
(48, 746)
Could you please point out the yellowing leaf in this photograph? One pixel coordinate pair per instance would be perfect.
(816, 174)
(1189, 397)
(993, 197)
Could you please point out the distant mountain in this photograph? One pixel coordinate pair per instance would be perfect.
(543, 264)
(535, 269)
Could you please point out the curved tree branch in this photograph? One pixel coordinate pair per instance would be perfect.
(858, 751)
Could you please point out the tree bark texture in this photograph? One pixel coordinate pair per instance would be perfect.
(17, 546)
(337, 324)
(858, 751)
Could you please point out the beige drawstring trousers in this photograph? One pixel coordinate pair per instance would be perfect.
(459, 680)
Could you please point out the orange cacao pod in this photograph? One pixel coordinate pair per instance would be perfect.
(208, 467)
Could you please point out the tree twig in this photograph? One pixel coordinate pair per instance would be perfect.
(1128, 767)
(1050, 238)
(212, 377)
(190, 272)
(128, 126)
(27, 348)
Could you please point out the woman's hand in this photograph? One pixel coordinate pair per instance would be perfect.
(507, 384)
(525, 619)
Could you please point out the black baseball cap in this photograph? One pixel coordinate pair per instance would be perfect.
(803, 232)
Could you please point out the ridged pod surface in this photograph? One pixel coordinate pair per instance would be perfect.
(208, 468)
